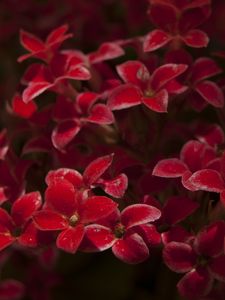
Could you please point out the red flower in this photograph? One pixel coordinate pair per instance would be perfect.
(65, 212)
(203, 260)
(18, 226)
(128, 233)
(141, 88)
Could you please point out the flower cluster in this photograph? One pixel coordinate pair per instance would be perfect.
(119, 147)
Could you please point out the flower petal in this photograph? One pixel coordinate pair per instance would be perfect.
(24, 110)
(169, 168)
(49, 220)
(35, 89)
(5, 240)
(138, 214)
(70, 239)
(158, 102)
(105, 52)
(179, 257)
(11, 289)
(124, 96)
(31, 42)
(95, 208)
(70, 175)
(61, 197)
(115, 187)
(24, 207)
(204, 68)
(155, 40)
(207, 180)
(29, 238)
(216, 266)
(195, 284)
(191, 154)
(211, 93)
(100, 114)
(196, 38)
(96, 169)
(132, 249)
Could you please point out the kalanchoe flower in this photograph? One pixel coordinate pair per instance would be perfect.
(177, 23)
(43, 50)
(141, 88)
(24, 110)
(66, 212)
(128, 233)
(105, 52)
(202, 259)
(18, 226)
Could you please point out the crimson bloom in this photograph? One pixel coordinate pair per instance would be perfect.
(153, 91)
(128, 233)
(202, 260)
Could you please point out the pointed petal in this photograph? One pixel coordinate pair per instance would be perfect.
(124, 96)
(24, 207)
(77, 73)
(211, 93)
(204, 68)
(176, 234)
(191, 154)
(61, 197)
(149, 234)
(70, 175)
(156, 39)
(131, 250)
(96, 208)
(179, 257)
(134, 72)
(35, 89)
(170, 168)
(86, 100)
(196, 38)
(5, 240)
(31, 42)
(138, 214)
(70, 239)
(24, 110)
(29, 238)
(98, 238)
(195, 284)
(184, 207)
(158, 102)
(105, 52)
(165, 73)
(64, 133)
(96, 169)
(115, 187)
(100, 114)
(58, 35)
(49, 220)
(207, 180)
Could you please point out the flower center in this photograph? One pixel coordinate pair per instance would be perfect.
(202, 261)
(119, 230)
(73, 220)
(149, 93)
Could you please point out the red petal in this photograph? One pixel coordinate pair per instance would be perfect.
(149, 234)
(29, 236)
(207, 180)
(216, 266)
(124, 96)
(69, 240)
(165, 73)
(24, 110)
(96, 169)
(5, 240)
(49, 220)
(70, 175)
(192, 153)
(30, 42)
(3, 195)
(4, 144)
(196, 38)
(100, 114)
(57, 35)
(98, 238)
(158, 102)
(11, 290)
(105, 52)
(210, 240)
(35, 89)
(179, 257)
(64, 133)
(116, 187)
(138, 214)
(24, 207)
(96, 208)
(203, 68)
(195, 284)
(211, 93)
(77, 73)
(61, 196)
(184, 207)
(155, 40)
(176, 234)
(131, 250)
(133, 71)
(169, 168)
(86, 100)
